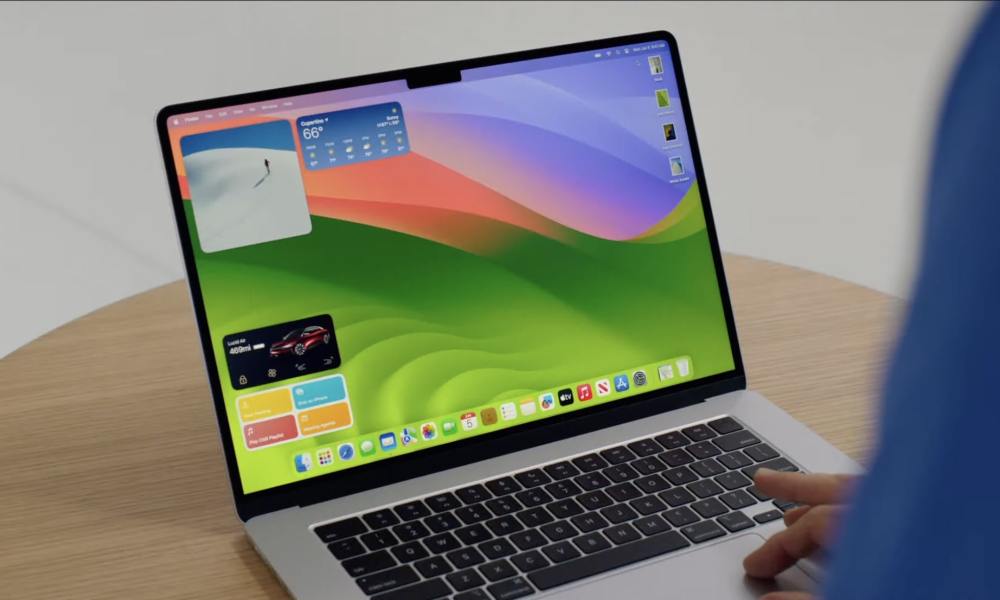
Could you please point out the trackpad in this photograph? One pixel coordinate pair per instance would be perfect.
(711, 572)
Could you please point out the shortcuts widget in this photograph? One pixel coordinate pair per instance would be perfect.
(282, 351)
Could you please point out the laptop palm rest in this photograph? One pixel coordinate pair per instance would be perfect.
(713, 572)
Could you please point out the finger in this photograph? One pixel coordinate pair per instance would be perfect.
(794, 514)
(787, 596)
(784, 548)
(804, 488)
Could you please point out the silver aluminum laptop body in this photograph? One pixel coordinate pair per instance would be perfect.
(281, 524)
(710, 570)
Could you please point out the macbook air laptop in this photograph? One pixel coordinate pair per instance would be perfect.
(468, 333)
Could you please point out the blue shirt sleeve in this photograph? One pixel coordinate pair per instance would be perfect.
(925, 522)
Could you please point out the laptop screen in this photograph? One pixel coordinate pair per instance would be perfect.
(386, 269)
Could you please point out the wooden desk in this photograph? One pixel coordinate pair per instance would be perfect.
(113, 485)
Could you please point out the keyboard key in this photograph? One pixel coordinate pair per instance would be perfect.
(464, 580)
(735, 521)
(529, 561)
(725, 425)
(563, 509)
(619, 513)
(617, 455)
(676, 496)
(442, 502)
(589, 462)
(652, 484)
(433, 567)
(561, 470)
(594, 500)
(473, 494)
(465, 557)
(676, 458)
(737, 499)
(703, 531)
(621, 534)
(473, 534)
(620, 473)
(561, 552)
(672, 439)
(503, 506)
(647, 505)
(472, 595)
(533, 497)
(761, 452)
(376, 540)
(380, 519)
(414, 509)
(442, 522)
(709, 507)
(767, 517)
(698, 433)
(532, 478)
(408, 532)
(496, 548)
(427, 590)
(588, 522)
(592, 481)
(785, 505)
(733, 480)
(680, 517)
(645, 447)
(535, 517)
(735, 460)
(756, 493)
(517, 587)
(563, 489)
(346, 548)
(623, 492)
(526, 540)
(369, 563)
(777, 464)
(387, 580)
(651, 525)
(680, 476)
(560, 530)
(703, 450)
(505, 525)
(736, 440)
(704, 488)
(497, 570)
(619, 556)
(503, 486)
(340, 530)
(648, 465)
(589, 543)
(708, 468)
(409, 552)
(443, 542)
(473, 514)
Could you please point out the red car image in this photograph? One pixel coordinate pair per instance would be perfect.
(298, 341)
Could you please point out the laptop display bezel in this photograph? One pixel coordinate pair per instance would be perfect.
(484, 446)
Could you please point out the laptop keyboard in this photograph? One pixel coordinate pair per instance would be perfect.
(558, 523)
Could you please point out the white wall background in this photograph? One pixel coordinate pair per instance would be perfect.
(839, 99)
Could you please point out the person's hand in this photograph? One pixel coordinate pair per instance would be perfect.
(809, 526)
